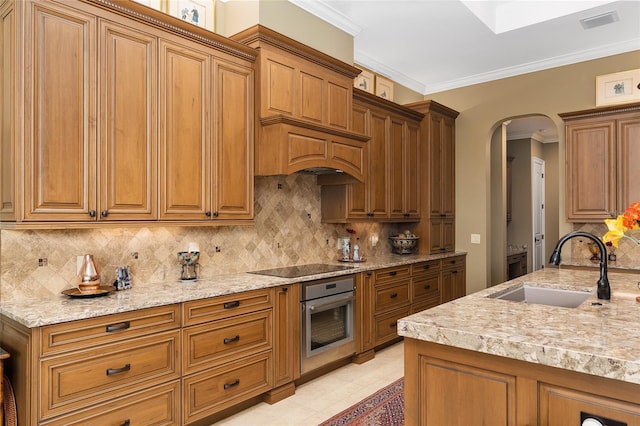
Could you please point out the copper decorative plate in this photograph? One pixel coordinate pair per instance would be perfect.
(102, 291)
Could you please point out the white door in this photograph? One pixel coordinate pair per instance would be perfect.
(537, 181)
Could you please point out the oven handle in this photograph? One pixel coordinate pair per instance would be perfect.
(329, 302)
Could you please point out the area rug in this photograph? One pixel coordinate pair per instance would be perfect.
(383, 408)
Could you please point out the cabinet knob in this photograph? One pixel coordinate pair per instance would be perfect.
(104, 213)
(215, 214)
(92, 213)
(393, 273)
(427, 287)
(126, 423)
(393, 295)
(207, 214)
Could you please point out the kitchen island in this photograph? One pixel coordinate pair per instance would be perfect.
(483, 360)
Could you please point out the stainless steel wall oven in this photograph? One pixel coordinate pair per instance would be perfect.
(327, 318)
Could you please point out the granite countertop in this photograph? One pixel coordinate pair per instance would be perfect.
(60, 308)
(601, 339)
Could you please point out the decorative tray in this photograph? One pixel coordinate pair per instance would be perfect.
(102, 291)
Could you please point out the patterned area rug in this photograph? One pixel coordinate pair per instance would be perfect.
(383, 408)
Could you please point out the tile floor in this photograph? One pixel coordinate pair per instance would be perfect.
(321, 398)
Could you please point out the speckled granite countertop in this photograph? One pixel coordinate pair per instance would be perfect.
(60, 308)
(602, 340)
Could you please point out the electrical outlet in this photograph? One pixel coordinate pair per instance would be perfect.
(475, 238)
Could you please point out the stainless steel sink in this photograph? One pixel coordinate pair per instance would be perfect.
(544, 296)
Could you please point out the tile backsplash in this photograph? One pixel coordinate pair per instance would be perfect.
(287, 231)
(627, 253)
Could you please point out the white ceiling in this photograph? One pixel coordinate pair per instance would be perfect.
(435, 45)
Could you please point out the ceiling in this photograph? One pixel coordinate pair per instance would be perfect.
(435, 45)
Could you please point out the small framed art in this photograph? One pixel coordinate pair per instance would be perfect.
(618, 88)
(196, 12)
(384, 88)
(364, 81)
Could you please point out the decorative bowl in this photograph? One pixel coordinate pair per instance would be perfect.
(404, 245)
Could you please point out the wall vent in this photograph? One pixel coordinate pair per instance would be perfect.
(600, 20)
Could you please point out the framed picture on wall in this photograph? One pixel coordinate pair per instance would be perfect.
(618, 88)
(196, 12)
(364, 81)
(384, 88)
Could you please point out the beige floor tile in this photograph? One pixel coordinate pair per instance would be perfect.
(326, 396)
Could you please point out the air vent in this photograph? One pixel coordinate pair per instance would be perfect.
(600, 20)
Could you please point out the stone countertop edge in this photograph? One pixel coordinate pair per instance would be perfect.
(601, 339)
(59, 308)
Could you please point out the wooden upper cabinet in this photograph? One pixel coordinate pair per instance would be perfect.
(233, 140)
(184, 132)
(128, 135)
(303, 116)
(602, 149)
(391, 189)
(106, 118)
(60, 114)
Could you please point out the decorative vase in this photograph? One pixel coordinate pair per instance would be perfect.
(88, 278)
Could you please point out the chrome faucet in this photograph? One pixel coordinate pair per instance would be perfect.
(604, 290)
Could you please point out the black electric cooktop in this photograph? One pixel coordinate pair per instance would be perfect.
(302, 270)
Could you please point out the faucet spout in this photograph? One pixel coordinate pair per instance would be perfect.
(604, 289)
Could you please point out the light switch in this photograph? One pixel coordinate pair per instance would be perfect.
(475, 238)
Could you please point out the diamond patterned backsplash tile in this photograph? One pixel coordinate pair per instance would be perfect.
(627, 253)
(287, 231)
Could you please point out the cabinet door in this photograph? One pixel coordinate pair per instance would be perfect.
(411, 166)
(441, 235)
(59, 175)
(442, 166)
(378, 188)
(7, 114)
(185, 151)
(560, 406)
(628, 162)
(396, 167)
(286, 341)
(453, 279)
(128, 135)
(233, 141)
(590, 174)
(488, 398)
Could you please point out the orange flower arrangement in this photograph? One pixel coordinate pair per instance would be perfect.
(619, 227)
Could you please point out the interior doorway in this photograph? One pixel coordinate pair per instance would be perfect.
(537, 205)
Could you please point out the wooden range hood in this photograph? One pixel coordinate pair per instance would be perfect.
(303, 108)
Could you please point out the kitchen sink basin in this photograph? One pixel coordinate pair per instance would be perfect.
(544, 296)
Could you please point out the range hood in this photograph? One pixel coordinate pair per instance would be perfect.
(287, 146)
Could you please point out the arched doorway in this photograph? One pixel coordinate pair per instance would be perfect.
(523, 149)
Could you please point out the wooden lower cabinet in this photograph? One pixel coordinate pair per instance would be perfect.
(454, 279)
(452, 386)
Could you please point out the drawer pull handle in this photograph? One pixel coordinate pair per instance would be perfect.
(393, 324)
(393, 273)
(393, 295)
(426, 267)
(236, 382)
(112, 371)
(117, 327)
(427, 287)
(126, 423)
(230, 305)
(228, 340)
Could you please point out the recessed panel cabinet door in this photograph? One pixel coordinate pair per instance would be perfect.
(60, 114)
(128, 139)
(184, 132)
(233, 141)
(628, 162)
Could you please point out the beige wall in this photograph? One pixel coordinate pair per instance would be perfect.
(482, 107)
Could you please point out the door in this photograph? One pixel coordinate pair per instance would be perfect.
(537, 180)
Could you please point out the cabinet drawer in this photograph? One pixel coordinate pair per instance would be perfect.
(154, 407)
(427, 267)
(226, 340)
(386, 325)
(391, 296)
(210, 391)
(215, 308)
(106, 329)
(88, 377)
(453, 262)
(424, 304)
(386, 275)
(425, 286)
